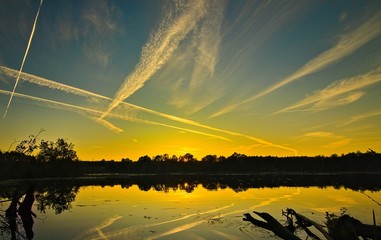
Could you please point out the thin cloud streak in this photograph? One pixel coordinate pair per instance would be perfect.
(337, 144)
(89, 113)
(23, 60)
(361, 117)
(322, 134)
(332, 140)
(159, 49)
(96, 113)
(73, 90)
(347, 44)
(327, 98)
(108, 125)
(77, 91)
(50, 84)
(337, 101)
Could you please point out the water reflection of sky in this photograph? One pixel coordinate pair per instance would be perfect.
(119, 213)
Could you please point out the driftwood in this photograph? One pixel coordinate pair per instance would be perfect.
(304, 222)
(339, 228)
(348, 228)
(271, 224)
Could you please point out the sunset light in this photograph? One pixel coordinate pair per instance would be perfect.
(131, 78)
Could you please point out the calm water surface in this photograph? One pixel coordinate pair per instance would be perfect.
(116, 212)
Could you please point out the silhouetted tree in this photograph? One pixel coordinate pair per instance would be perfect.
(56, 151)
(187, 158)
(28, 146)
(209, 159)
(144, 159)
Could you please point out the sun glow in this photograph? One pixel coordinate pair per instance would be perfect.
(200, 77)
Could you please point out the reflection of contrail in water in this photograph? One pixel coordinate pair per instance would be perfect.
(23, 60)
(184, 227)
(106, 223)
(196, 223)
(73, 90)
(95, 113)
(192, 224)
(177, 229)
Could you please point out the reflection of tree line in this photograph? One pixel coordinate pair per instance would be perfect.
(16, 166)
(59, 195)
(17, 222)
(239, 183)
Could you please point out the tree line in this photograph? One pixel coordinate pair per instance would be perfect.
(31, 158)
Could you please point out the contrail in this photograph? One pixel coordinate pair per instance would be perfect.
(96, 113)
(362, 116)
(78, 91)
(49, 83)
(23, 61)
(346, 45)
(91, 114)
(73, 90)
(336, 89)
(159, 49)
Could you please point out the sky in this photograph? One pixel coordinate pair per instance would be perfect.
(124, 79)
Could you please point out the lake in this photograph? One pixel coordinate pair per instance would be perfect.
(86, 209)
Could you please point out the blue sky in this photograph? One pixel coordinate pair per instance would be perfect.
(129, 78)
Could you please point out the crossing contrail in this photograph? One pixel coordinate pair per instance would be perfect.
(81, 92)
(94, 115)
(23, 60)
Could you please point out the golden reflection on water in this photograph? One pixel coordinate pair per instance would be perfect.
(120, 213)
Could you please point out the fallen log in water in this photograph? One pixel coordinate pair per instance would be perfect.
(346, 227)
(304, 222)
(271, 224)
(339, 228)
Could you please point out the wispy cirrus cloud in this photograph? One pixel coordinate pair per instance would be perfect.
(361, 117)
(177, 24)
(337, 144)
(332, 140)
(321, 134)
(100, 22)
(332, 102)
(346, 45)
(93, 28)
(202, 52)
(338, 93)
